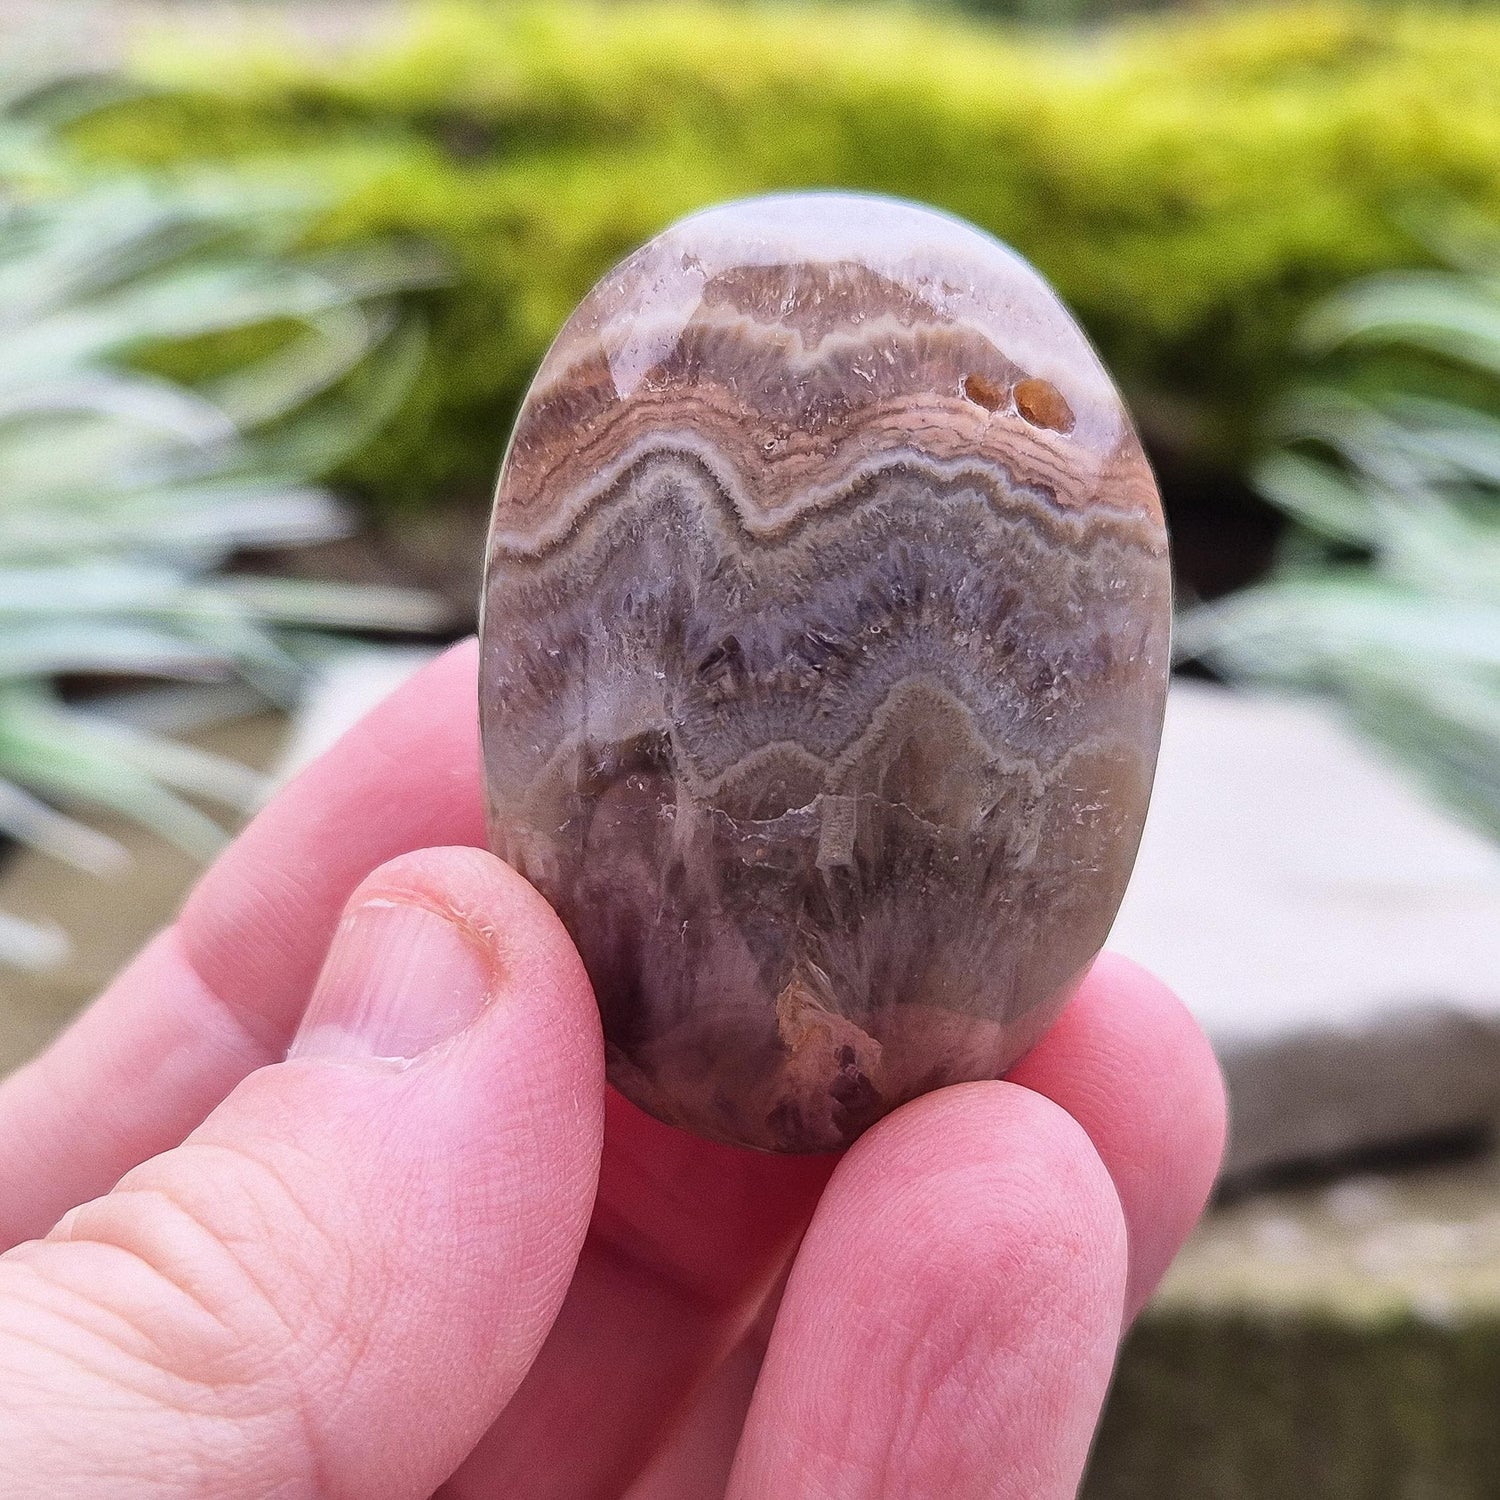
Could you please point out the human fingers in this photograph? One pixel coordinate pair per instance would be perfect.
(951, 1320)
(338, 1280)
(1129, 1063)
(696, 1221)
(218, 994)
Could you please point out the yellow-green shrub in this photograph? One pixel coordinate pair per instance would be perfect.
(1190, 184)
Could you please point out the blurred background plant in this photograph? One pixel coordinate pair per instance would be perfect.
(1200, 187)
(1195, 184)
(1386, 594)
(123, 493)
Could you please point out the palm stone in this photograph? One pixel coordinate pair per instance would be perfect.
(824, 649)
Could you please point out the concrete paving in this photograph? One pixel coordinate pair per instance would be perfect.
(1335, 931)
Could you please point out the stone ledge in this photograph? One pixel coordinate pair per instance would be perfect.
(1335, 932)
(1340, 1343)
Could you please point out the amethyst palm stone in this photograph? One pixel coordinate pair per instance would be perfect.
(823, 660)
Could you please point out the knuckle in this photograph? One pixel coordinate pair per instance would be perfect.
(237, 1284)
(111, 1370)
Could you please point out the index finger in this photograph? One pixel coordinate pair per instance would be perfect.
(219, 993)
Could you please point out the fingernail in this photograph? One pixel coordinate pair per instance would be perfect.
(398, 979)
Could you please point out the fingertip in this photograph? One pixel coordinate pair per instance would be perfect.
(988, 1155)
(535, 1052)
(990, 1185)
(953, 1313)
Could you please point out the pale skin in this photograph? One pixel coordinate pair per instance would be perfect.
(475, 1272)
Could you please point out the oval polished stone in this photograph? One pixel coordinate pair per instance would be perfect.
(824, 651)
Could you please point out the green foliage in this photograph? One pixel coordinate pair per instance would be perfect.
(1191, 184)
(122, 493)
(1388, 596)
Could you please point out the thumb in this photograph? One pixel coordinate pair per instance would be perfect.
(338, 1280)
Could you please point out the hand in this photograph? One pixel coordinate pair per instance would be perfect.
(428, 1251)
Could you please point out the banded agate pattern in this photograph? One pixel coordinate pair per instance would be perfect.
(824, 651)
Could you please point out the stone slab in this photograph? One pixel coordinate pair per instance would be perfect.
(346, 688)
(1337, 934)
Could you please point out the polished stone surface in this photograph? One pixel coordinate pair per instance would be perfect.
(824, 649)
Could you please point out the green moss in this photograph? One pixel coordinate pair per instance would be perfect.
(1190, 184)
